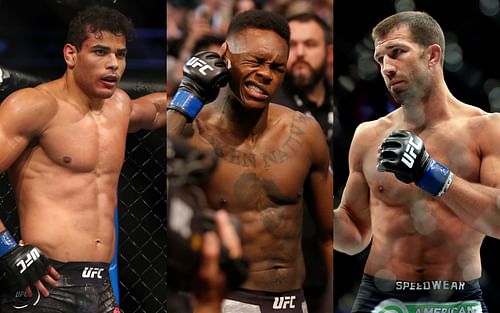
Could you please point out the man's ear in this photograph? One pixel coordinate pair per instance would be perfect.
(223, 50)
(223, 53)
(69, 52)
(435, 55)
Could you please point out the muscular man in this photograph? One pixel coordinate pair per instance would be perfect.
(305, 88)
(422, 183)
(63, 144)
(270, 158)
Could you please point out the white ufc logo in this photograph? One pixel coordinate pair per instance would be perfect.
(91, 272)
(409, 155)
(31, 256)
(203, 66)
(281, 303)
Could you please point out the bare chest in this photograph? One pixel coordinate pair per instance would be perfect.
(270, 173)
(91, 143)
(456, 151)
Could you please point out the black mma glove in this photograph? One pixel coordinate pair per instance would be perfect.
(403, 153)
(23, 265)
(204, 74)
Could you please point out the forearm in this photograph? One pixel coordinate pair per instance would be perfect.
(176, 122)
(475, 204)
(2, 227)
(148, 112)
(349, 238)
(161, 109)
(327, 248)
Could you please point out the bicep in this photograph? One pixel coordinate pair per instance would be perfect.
(489, 146)
(148, 112)
(320, 182)
(23, 116)
(12, 143)
(321, 191)
(355, 201)
(490, 170)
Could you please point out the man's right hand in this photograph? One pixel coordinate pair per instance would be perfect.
(204, 74)
(26, 265)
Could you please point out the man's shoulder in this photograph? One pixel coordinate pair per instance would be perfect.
(485, 119)
(38, 96)
(282, 109)
(292, 116)
(375, 126)
(475, 116)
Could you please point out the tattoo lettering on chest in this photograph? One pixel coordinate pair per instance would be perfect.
(288, 148)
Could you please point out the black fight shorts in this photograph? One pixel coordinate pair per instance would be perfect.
(84, 287)
(378, 295)
(249, 301)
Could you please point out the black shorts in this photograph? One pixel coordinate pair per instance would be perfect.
(249, 301)
(84, 287)
(381, 295)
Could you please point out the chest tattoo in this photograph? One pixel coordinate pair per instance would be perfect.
(285, 151)
(254, 191)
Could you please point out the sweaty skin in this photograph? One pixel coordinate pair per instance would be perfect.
(63, 145)
(270, 159)
(414, 235)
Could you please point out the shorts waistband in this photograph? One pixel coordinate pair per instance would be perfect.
(81, 272)
(427, 285)
(266, 298)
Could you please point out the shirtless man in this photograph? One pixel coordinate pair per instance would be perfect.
(270, 157)
(426, 216)
(63, 144)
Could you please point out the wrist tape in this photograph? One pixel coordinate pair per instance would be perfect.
(436, 179)
(186, 103)
(7, 242)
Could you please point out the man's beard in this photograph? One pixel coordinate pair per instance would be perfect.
(308, 82)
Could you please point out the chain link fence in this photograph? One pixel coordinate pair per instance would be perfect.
(142, 234)
(142, 249)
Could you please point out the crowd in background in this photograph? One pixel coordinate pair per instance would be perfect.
(196, 25)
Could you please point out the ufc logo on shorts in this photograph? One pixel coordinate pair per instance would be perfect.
(409, 155)
(194, 62)
(281, 303)
(92, 272)
(23, 264)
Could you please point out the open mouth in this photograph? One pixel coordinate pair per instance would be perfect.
(109, 80)
(255, 91)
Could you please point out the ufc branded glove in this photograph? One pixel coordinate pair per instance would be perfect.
(204, 74)
(23, 265)
(403, 153)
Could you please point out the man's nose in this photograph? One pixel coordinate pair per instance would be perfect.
(112, 62)
(388, 67)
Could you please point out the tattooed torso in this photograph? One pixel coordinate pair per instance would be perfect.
(261, 181)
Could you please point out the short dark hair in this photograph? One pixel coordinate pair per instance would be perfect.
(260, 19)
(307, 17)
(424, 29)
(97, 18)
